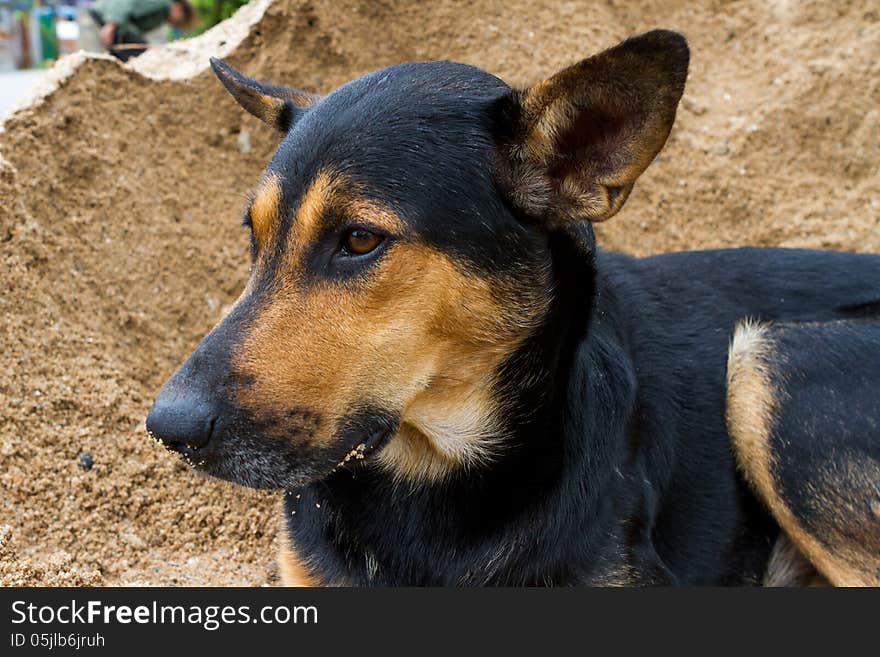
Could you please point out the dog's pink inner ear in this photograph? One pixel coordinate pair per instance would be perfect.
(583, 136)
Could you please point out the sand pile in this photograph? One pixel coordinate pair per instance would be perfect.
(121, 190)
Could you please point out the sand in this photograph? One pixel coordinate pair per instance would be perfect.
(121, 189)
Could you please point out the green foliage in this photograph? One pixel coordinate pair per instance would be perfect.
(212, 12)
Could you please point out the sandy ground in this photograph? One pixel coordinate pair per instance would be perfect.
(120, 246)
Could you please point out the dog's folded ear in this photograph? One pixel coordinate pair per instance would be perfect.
(572, 146)
(280, 107)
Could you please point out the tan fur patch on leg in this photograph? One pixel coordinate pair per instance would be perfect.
(752, 402)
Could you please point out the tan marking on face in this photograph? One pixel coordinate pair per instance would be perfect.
(752, 402)
(265, 210)
(455, 421)
(331, 190)
(372, 214)
(310, 211)
(417, 336)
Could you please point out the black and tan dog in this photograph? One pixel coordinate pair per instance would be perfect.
(454, 386)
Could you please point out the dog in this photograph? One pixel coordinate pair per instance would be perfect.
(454, 386)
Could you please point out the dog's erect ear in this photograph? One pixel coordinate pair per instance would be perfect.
(278, 106)
(572, 146)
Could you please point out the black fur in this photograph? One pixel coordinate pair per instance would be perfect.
(824, 439)
(623, 464)
(617, 467)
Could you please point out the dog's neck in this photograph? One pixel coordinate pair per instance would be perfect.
(541, 447)
(494, 395)
(455, 427)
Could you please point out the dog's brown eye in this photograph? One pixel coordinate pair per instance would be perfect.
(359, 241)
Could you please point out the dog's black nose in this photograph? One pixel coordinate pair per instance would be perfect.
(182, 421)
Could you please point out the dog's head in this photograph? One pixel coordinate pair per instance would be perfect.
(400, 258)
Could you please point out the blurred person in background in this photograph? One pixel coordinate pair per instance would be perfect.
(123, 23)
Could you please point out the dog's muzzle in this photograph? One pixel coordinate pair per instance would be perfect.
(182, 420)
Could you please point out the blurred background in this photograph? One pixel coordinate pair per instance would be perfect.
(35, 33)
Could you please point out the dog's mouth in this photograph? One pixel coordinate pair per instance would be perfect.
(256, 462)
(192, 455)
(364, 450)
